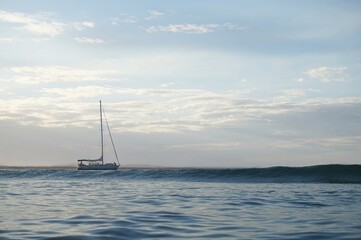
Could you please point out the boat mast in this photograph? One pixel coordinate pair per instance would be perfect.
(101, 131)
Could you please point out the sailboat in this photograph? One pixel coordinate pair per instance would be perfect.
(98, 164)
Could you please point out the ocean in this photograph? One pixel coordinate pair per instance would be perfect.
(318, 202)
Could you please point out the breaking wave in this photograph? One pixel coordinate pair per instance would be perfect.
(312, 174)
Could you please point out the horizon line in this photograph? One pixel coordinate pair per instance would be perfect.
(157, 166)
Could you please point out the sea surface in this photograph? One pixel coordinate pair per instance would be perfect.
(319, 202)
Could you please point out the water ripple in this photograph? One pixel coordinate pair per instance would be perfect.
(161, 209)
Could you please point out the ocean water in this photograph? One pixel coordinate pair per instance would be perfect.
(320, 202)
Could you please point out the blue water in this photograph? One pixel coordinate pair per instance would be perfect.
(322, 202)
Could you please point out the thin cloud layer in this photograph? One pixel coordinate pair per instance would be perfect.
(89, 40)
(47, 74)
(35, 24)
(192, 28)
(328, 74)
(161, 110)
(125, 19)
(154, 14)
(80, 26)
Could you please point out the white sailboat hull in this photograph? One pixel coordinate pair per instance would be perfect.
(107, 166)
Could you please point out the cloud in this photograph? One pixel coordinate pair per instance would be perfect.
(342, 142)
(89, 40)
(124, 18)
(54, 73)
(291, 94)
(327, 74)
(35, 24)
(77, 92)
(218, 146)
(183, 28)
(41, 24)
(45, 112)
(42, 28)
(88, 24)
(80, 26)
(148, 110)
(153, 14)
(192, 28)
(350, 142)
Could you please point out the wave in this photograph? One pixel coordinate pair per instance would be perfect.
(311, 174)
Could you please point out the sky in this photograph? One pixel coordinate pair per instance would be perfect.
(183, 83)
